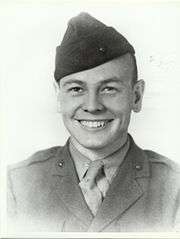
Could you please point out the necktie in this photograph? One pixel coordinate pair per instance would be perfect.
(94, 185)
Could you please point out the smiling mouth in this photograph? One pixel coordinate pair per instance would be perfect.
(94, 124)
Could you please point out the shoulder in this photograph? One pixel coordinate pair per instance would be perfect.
(34, 173)
(41, 157)
(153, 161)
(31, 177)
(158, 160)
(163, 170)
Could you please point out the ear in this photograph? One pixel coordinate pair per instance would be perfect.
(138, 91)
(57, 91)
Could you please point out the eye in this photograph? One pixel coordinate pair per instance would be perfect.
(75, 90)
(109, 90)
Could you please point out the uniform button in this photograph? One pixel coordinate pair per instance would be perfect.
(102, 49)
(138, 167)
(60, 164)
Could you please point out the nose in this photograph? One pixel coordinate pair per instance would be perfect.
(92, 103)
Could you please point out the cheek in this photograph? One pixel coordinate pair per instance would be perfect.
(68, 105)
(119, 105)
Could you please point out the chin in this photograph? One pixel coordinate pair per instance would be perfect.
(94, 144)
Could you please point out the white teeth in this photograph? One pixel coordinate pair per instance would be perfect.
(93, 124)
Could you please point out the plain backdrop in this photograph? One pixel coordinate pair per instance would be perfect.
(30, 32)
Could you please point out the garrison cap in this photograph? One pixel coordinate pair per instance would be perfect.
(88, 43)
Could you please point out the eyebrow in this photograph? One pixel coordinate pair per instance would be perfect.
(114, 79)
(73, 81)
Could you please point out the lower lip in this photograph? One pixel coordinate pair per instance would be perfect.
(94, 128)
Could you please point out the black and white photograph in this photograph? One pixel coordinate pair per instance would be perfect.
(90, 112)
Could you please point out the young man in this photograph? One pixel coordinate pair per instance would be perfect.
(100, 180)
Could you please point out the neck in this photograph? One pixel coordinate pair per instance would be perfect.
(95, 154)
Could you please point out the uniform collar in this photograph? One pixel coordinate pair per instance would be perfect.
(64, 165)
(111, 162)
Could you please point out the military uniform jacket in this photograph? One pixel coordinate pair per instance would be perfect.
(44, 195)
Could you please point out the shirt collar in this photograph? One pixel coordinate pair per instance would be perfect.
(111, 162)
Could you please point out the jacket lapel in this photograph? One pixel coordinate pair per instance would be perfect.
(65, 183)
(124, 190)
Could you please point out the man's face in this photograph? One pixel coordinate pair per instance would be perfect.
(96, 104)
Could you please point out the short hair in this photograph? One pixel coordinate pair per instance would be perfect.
(135, 70)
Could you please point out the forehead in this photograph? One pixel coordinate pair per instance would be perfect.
(121, 68)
